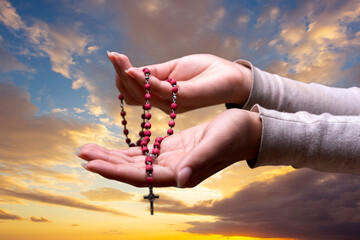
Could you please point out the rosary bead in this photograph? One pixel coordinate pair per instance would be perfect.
(147, 133)
(128, 140)
(123, 113)
(170, 131)
(156, 145)
(147, 96)
(142, 124)
(148, 116)
(150, 180)
(149, 159)
(149, 168)
(143, 116)
(171, 123)
(173, 82)
(132, 145)
(126, 132)
(147, 86)
(173, 106)
(147, 106)
(147, 125)
(121, 97)
(159, 139)
(141, 134)
(138, 142)
(173, 115)
(124, 122)
(145, 150)
(174, 89)
(147, 139)
(146, 71)
(143, 143)
(155, 151)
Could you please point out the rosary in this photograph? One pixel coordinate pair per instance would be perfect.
(145, 134)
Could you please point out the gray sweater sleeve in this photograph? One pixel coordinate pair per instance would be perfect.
(305, 125)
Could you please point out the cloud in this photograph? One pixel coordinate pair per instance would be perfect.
(107, 194)
(40, 219)
(61, 43)
(316, 41)
(9, 63)
(302, 204)
(8, 216)
(56, 199)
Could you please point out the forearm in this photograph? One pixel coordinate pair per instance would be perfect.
(322, 142)
(275, 92)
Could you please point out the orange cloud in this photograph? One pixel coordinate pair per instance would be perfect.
(8, 216)
(40, 219)
(107, 194)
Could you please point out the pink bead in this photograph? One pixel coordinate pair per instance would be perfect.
(170, 131)
(138, 142)
(128, 140)
(145, 150)
(171, 123)
(124, 122)
(126, 132)
(121, 97)
(156, 145)
(149, 168)
(141, 134)
(147, 86)
(173, 115)
(173, 82)
(148, 116)
(143, 143)
(155, 151)
(142, 125)
(174, 106)
(123, 113)
(150, 180)
(143, 116)
(147, 139)
(149, 160)
(147, 96)
(147, 133)
(169, 80)
(147, 125)
(132, 145)
(147, 106)
(146, 70)
(159, 139)
(174, 89)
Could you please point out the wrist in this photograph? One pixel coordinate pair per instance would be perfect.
(254, 135)
(242, 82)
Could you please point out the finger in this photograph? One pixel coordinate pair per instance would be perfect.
(161, 94)
(87, 151)
(121, 63)
(134, 175)
(162, 70)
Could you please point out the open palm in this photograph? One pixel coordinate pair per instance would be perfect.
(186, 158)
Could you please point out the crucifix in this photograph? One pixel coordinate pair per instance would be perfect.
(151, 196)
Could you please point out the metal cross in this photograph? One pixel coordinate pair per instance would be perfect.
(151, 196)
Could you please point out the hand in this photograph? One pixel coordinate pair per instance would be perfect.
(186, 158)
(203, 80)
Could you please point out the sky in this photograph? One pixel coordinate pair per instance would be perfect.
(57, 93)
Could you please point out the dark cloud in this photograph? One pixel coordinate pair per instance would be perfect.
(107, 194)
(40, 219)
(303, 204)
(8, 216)
(56, 199)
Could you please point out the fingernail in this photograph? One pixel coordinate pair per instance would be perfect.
(183, 176)
(126, 71)
(84, 165)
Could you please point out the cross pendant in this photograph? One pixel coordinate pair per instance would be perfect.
(151, 196)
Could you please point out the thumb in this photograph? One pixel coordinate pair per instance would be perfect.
(161, 88)
(191, 170)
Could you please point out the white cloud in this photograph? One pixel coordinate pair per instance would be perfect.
(9, 17)
(59, 110)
